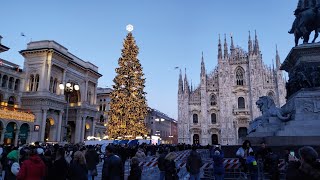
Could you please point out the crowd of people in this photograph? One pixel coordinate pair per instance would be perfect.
(79, 162)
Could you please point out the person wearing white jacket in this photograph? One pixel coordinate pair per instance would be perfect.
(243, 153)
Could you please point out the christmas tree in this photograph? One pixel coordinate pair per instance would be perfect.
(128, 107)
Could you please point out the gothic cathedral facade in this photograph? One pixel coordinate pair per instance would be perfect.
(219, 110)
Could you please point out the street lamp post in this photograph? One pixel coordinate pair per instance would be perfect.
(68, 88)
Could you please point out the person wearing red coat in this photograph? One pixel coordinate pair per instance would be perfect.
(32, 168)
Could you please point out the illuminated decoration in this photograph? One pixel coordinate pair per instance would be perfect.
(16, 115)
(87, 126)
(129, 28)
(51, 121)
(36, 128)
(128, 107)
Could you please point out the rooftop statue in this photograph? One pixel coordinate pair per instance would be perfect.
(268, 110)
(307, 20)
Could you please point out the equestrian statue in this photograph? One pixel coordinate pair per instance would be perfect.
(307, 20)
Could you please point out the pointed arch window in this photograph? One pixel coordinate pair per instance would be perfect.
(213, 118)
(37, 82)
(241, 103)
(213, 100)
(195, 118)
(104, 107)
(271, 95)
(31, 82)
(240, 76)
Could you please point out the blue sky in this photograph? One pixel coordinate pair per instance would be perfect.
(169, 33)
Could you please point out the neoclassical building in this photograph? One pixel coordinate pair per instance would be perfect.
(57, 87)
(220, 108)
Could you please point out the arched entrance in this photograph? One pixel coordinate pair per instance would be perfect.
(10, 134)
(49, 133)
(71, 128)
(23, 134)
(196, 139)
(242, 132)
(214, 139)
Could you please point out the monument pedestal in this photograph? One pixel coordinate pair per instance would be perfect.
(303, 102)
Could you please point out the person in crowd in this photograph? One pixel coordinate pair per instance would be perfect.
(112, 166)
(305, 168)
(194, 163)
(32, 168)
(78, 169)
(252, 166)
(286, 153)
(135, 171)
(140, 154)
(218, 165)
(60, 166)
(11, 168)
(243, 153)
(171, 172)
(49, 165)
(92, 160)
(261, 155)
(161, 163)
(273, 161)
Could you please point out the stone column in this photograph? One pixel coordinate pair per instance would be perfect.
(83, 127)
(86, 93)
(2, 135)
(16, 137)
(47, 83)
(78, 128)
(93, 126)
(43, 124)
(59, 126)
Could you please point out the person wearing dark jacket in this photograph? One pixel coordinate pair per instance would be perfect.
(194, 163)
(218, 165)
(161, 163)
(92, 159)
(32, 168)
(135, 171)
(171, 172)
(78, 169)
(112, 166)
(307, 168)
(60, 166)
(273, 161)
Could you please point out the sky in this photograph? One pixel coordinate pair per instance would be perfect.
(169, 33)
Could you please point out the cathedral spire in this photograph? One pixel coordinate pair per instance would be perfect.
(278, 64)
(225, 47)
(186, 84)
(203, 69)
(256, 43)
(219, 50)
(250, 44)
(180, 88)
(232, 46)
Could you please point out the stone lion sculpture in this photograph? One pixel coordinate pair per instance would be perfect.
(268, 110)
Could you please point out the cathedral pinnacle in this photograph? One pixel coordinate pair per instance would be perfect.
(186, 84)
(180, 88)
(278, 64)
(256, 44)
(203, 69)
(250, 44)
(232, 45)
(219, 49)
(225, 47)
